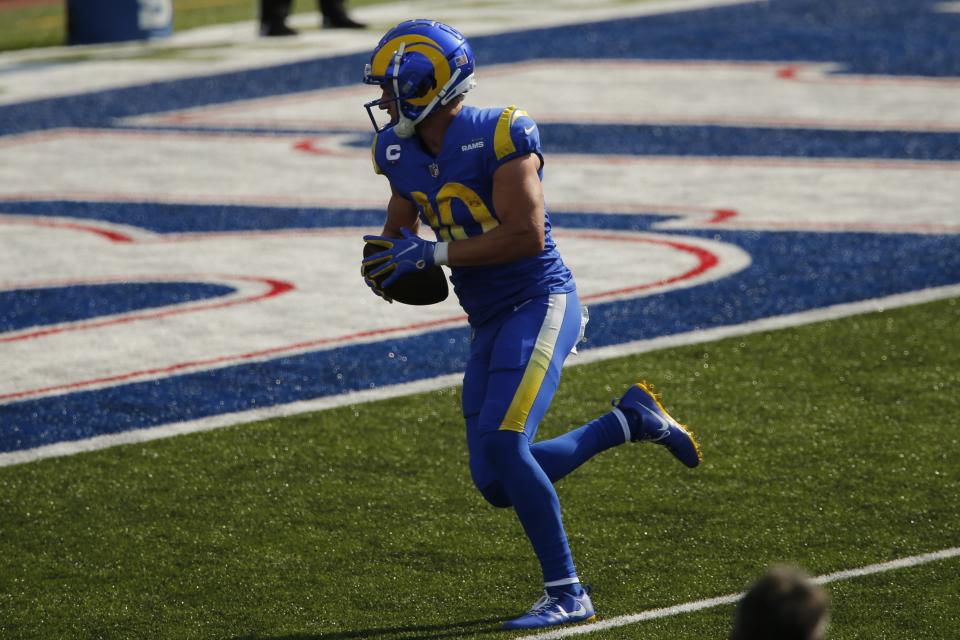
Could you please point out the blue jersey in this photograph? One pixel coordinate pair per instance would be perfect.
(453, 193)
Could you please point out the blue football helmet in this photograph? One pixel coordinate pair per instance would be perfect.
(423, 64)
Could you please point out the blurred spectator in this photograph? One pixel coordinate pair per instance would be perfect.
(784, 604)
(273, 17)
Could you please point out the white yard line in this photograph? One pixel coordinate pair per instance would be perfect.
(60, 449)
(709, 603)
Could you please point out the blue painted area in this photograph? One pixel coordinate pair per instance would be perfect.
(190, 218)
(125, 407)
(790, 272)
(890, 37)
(195, 218)
(708, 140)
(742, 141)
(166, 218)
(24, 308)
(702, 140)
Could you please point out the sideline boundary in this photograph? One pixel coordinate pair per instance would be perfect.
(709, 603)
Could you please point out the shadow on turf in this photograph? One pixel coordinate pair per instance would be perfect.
(413, 632)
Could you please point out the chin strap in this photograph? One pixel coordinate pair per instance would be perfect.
(405, 127)
(397, 59)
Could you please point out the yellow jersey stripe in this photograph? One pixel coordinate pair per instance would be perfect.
(502, 142)
(516, 416)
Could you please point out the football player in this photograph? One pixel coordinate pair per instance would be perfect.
(474, 176)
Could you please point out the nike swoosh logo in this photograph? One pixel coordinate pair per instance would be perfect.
(516, 307)
(527, 130)
(410, 248)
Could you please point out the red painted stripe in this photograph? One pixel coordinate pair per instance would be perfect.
(113, 236)
(706, 260)
(275, 288)
(181, 367)
(169, 238)
(787, 73)
(311, 145)
(173, 238)
(721, 215)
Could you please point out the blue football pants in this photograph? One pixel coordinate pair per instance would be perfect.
(510, 380)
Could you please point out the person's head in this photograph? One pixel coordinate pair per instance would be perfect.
(784, 604)
(420, 66)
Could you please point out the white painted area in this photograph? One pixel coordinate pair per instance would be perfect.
(765, 94)
(723, 93)
(171, 166)
(765, 193)
(948, 7)
(338, 109)
(328, 305)
(381, 393)
(59, 71)
(709, 603)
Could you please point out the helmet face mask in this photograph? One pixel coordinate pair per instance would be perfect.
(388, 103)
(421, 64)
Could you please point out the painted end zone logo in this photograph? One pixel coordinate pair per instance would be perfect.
(198, 262)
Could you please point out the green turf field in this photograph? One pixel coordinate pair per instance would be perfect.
(833, 445)
(44, 23)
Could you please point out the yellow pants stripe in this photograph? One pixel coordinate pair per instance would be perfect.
(526, 395)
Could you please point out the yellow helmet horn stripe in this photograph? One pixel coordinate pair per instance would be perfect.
(421, 44)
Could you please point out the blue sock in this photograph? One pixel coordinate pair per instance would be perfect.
(574, 589)
(534, 499)
(561, 455)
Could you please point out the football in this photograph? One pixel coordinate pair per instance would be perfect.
(426, 287)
